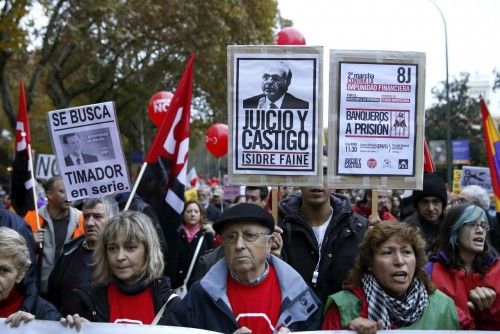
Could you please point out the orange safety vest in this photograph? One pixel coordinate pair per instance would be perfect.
(30, 219)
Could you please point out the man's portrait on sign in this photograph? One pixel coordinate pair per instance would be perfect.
(276, 78)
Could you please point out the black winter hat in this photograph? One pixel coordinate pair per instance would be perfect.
(434, 185)
(244, 212)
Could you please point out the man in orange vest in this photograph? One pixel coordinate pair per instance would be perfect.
(59, 224)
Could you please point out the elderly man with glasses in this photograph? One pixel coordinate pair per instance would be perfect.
(249, 290)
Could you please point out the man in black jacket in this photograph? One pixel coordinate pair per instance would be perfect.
(73, 266)
(321, 235)
(430, 204)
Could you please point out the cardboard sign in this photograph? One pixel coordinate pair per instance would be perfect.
(46, 166)
(275, 115)
(376, 119)
(87, 145)
(479, 176)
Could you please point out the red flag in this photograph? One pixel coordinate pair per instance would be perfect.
(428, 162)
(22, 197)
(172, 139)
(492, 142)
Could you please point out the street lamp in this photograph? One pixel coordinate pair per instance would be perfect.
(448, 111)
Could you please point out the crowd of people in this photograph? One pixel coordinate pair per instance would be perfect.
(327, 262)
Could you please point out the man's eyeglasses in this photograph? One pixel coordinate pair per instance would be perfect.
(95, 215)
(247, 236)
(473, 226)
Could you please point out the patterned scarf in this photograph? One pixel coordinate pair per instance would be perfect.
(402, 311)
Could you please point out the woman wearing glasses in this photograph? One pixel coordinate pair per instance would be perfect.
(464, 268)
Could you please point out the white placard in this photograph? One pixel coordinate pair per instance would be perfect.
(87, 145)
(377, 119)
(275, 119)
(46, 166)
(479, 176)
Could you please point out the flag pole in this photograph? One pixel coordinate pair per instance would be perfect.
(136, 184)
(32, 174)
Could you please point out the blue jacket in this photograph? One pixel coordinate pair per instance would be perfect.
(206, 305)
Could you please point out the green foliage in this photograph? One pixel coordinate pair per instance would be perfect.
(124, 51)
(465, 118)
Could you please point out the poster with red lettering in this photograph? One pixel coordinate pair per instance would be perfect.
(376, 115)
(275, 114)
(86, 142)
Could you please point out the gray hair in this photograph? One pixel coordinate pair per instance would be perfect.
(136, 227)
(110, 204)
(13, 245)
(477, 195)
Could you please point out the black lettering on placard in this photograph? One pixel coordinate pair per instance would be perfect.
(94, 174)
(108, 188)
(82, 192)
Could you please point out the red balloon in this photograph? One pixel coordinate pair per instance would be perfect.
(216, 139)
(289, 36)
(158, 105)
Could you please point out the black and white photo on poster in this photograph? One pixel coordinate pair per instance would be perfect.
(275, 122)
(87, 146)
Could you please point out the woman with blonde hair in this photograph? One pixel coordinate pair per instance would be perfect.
(19, 300)
(388, 287)
(128, 286)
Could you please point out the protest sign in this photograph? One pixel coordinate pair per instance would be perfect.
(479, 176)
(46, 166)
(376, 119)
(44, 326)
(275, 115)
(87, 145)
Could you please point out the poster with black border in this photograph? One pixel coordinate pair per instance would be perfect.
(376, 119)
(275, 115)
(87, 145)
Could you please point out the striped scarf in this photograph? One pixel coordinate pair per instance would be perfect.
(402, 311)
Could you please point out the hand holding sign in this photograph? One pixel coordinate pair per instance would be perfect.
(216, 139)
(158, 105)
(289, 36)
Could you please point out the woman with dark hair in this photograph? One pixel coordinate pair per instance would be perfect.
(127, 282)
(464, 268)
(192, 228)
(388, 287)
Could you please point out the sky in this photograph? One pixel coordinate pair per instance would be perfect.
(473, 28)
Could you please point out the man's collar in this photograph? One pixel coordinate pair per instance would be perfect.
(277, 103)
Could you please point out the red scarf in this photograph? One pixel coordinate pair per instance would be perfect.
(11, 304)
(190, 230)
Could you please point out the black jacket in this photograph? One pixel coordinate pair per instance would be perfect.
(36, 305)
(94, 306)
(72, 269)
(429, 231)
(339, 248)
(180, 257)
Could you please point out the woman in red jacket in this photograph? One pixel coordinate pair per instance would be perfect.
(464, 268)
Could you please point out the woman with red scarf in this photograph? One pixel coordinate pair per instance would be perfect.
(19, 300)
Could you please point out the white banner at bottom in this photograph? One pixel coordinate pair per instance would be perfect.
(43, 326)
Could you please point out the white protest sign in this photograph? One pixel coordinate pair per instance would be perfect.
(479, 176)
(87, 145)
(46, 166)
(376, 116)
(275, 115)
(43, 326)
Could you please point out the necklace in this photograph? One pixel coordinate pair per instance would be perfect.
(255, 281)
